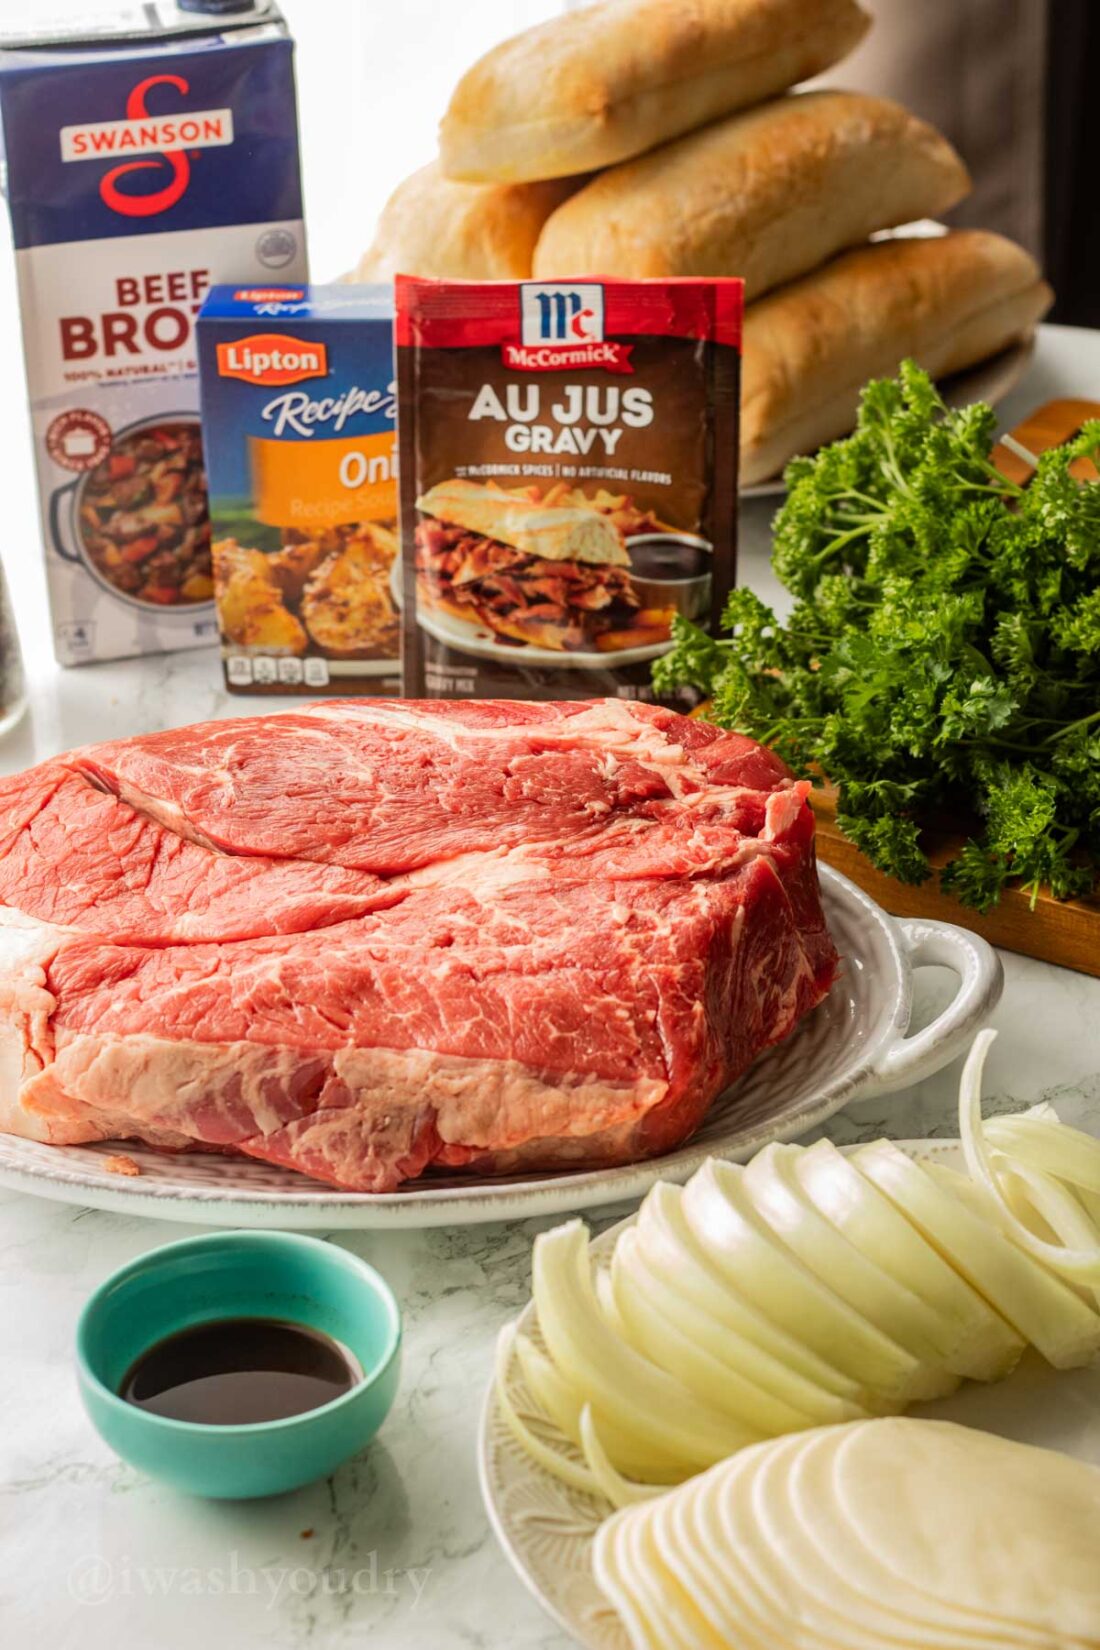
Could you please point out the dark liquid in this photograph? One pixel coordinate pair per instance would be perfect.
(668, 559)
(237, 1370)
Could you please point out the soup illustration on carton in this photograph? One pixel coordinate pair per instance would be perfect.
(299, 416)
(147, 158)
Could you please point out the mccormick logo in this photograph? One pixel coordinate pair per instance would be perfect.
(560, 314)
(562, 327)
(271, 358)
(166, 136)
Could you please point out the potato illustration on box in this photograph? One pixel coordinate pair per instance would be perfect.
(299, 429)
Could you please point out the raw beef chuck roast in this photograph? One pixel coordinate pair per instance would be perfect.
(365, 939)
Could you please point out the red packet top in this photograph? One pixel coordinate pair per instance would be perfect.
(568, 479)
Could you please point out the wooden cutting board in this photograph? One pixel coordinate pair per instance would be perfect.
(1066, 932)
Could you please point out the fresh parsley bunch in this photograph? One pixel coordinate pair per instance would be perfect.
(942, 661)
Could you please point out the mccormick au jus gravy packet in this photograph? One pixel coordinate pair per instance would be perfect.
(568, 479)
(148, 155)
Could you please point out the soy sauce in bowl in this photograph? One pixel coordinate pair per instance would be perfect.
(238, 1371)
(286, 1348)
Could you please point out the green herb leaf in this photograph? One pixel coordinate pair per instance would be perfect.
(942, 659)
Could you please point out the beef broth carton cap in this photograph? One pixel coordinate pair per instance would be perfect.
(146, 159)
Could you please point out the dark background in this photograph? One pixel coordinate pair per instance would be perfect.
(1015, 85)
(1071, 167)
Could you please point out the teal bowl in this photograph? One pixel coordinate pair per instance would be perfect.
(239, 1275)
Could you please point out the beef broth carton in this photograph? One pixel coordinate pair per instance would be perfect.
(299, 417)
(147, 158)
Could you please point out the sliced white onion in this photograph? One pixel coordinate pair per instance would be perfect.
(720, 1213)
(609, 1306)
(779, 1201)
(1090, 1202)
(620, 1491)
(672, 1254)
(1050, 1207)
(810, 1288)
(563, 1404)
(1081, 1265)
(978, 1201)
(1056, 1321)
(559, 1465)
(646, 1400)
(1048, 1144)
(714, 1380)
(980, 1343)
(666, 1306)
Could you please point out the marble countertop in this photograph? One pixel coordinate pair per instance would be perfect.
(396, 1545)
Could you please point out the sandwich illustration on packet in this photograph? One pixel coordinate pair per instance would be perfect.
(549, 568)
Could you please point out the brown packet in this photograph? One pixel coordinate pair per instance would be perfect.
(568, 479)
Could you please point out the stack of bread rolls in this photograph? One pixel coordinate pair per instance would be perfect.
(661, 137)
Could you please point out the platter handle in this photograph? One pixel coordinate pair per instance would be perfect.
(981, 981)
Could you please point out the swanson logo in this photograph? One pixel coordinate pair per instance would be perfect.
(166, 138)
(271, 358)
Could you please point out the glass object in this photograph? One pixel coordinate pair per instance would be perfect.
(13, 691)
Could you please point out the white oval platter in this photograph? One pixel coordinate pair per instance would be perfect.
(990, 380)
(854, 1044)
(546, 1527)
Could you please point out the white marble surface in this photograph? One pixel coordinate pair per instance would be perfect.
(91, 1554)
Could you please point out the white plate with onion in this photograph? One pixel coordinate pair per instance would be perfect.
(1015, 1209)
(854, 1044)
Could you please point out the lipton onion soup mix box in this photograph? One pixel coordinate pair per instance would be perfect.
(148, 156)
(299, 415)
